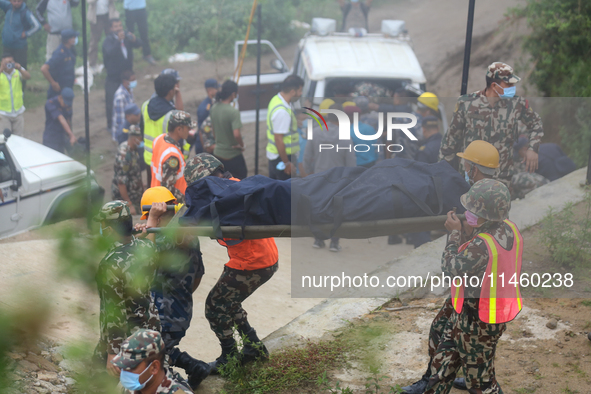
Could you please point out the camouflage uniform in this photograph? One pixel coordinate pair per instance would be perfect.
(467, 342)
(128, 172)
(138, 347)
(200, 166)
(372, 91)
(206, 131)
(178, 269)
(475, 119)
(524, 182)
(124, 277)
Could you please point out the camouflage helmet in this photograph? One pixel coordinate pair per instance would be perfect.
(200, 166)
(138, 347)
(488, 199)
(113, 211)
(503, 72)
(180, 118)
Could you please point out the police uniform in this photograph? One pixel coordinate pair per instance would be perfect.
(125, 302)
(475, 119)
(140, 346)
(428, 149)
(62, 66)
(479, 314)
(128, 172)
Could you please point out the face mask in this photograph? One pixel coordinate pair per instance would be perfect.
(508, 92)
(471, 219)
(131, 381)
(141, 145)
(466, 176)
(76, 41)
(133, 84)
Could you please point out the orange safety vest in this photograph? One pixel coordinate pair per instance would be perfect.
(500, 301)
(162, 151)
(251, 254)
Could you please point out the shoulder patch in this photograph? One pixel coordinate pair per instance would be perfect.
(422, 147)
(173, 162)
(208, 107)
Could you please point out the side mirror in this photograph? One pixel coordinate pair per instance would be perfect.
(278, 65)
(7, 133)
(18, 181)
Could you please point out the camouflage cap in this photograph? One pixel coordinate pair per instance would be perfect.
(200, 166)
(180, 118)
(138, 347)
(113, 211)
(134, 131)
(502, 72)
(488, 199)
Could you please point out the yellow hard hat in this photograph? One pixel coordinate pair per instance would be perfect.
(429, 100)
(349, 104)
(326, 104)
(156, 194)
(482, 153)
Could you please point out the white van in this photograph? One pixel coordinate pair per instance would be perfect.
(326, 59)
(39, 186)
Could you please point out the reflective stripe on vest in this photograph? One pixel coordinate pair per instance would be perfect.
(162, 152)
(152, 129)
(291, 140)
(500, 298)
(11, 92)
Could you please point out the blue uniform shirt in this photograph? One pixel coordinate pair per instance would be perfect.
(61, 67)
(54, 135)
(371, 156)
(428, 151)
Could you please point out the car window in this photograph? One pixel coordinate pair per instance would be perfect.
(5, 171)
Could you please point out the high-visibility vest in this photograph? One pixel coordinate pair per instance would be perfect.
(500, 298)
(163, 151)
(291, 139)
(154, 128)
(251, 254)
(11, 92)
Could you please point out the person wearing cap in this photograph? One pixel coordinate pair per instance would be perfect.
(59, 70)
(481, 160)
(59, 18)
(168, 161)
(123, 97)
(282, 129)
(127, 182)
(180, 269)
(495, 115)
(124, 277)
(211, 88)
(141, 361)
(252, 263)
(12, 106)
(480, 312)
(132, 119)
(58, 133)
(118, 57)
(429, 146)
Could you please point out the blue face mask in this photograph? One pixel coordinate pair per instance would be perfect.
(133, 84)
(141, 145)
(466, 177)
(131, 381)
(508, 92)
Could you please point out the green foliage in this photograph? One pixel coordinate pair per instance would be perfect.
(560, 45)
(576, 136)
(567, 235)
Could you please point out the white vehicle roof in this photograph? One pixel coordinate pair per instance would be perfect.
(31, 154)
(372, 56)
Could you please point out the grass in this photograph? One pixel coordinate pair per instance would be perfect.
(586, 303)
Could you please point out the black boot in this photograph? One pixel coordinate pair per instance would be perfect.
(253, 347)
(196, 370)
(417, 387)
(228, 350)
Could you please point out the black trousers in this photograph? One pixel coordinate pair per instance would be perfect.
(20, 56)
(139, 18)
(236, 166)
(111, 87)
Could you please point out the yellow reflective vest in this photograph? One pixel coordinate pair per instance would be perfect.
(291, 139)
(11, 92)
(154, 128)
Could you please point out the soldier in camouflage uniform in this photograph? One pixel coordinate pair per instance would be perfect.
(252, 263)
(141, 361)
(524, 182)
(180, 269)
(124, 278)
(207, 135)
(468, 342)
(127, 181)
(494, 115)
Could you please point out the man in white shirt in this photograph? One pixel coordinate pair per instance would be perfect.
(282, 133)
